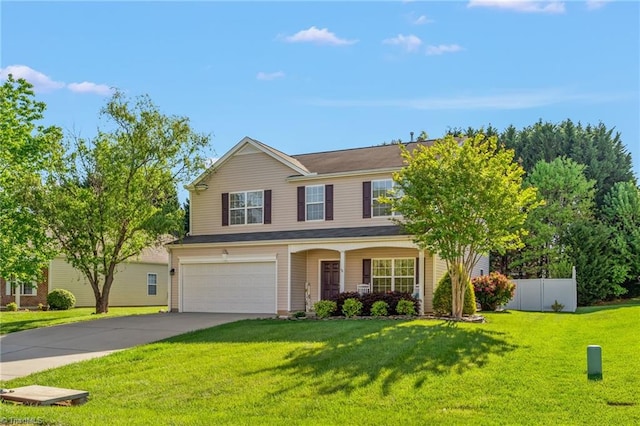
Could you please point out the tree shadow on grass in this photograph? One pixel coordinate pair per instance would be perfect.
(347, 355)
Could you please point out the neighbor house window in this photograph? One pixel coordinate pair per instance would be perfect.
(152, 284)
(393, 275)
(314, 202)
(246, 207)
(379, 189)
(24, 288)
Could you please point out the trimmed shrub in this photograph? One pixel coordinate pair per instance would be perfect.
(406, 307)
(442, 298)
(12, 306)
(493, 290)
(380, 308)
(60, 299)
(325, 308)
(351, 307)
(368, 299)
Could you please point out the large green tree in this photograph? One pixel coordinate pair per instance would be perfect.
(462, 200)
(28, 151)
(117, 194)
(568, 197)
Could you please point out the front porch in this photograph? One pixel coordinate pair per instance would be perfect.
(327, 269)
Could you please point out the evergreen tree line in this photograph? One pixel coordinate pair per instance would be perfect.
(591, 213)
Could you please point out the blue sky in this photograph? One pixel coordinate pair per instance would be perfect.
(316, 76)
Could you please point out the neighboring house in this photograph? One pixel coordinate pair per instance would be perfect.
(267, 226)
(141, 281)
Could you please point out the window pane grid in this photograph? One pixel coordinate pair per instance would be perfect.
(381, 188)
(246, 207)
(393, 275)
(315, 202)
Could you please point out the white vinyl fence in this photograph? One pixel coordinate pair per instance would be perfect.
(540, 293)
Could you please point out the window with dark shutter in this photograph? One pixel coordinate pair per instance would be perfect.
(417, 270)
(267, 206)
(225, 209)
(301, 204)
(366, 271)
(328, 202)
(366, 200)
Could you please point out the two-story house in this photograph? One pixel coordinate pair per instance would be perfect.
(266, 227)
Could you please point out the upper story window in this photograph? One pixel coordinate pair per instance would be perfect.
(246, 207)
(314, 202)
(379, 189)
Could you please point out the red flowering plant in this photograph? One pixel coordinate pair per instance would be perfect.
(493, 290)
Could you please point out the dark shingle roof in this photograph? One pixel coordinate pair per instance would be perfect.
(373, 157)
(366, 231)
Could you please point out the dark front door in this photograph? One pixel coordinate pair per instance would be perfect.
(329, 279)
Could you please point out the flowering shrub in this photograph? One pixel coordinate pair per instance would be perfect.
(493, 290)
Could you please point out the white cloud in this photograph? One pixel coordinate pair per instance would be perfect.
(88, 87)
(443, 48)
(266, 76)
(514, 100)
(551, 7)
(40, 81)
(43, 83)
(597, 4)
(318, 36)
(421, 20)
(410, 43)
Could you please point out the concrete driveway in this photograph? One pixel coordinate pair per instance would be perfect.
(29, 351)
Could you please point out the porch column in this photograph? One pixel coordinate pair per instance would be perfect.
(421, 281)
(343, 259)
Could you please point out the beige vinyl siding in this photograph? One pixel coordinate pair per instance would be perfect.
(298, 280)
(280, 251)
(128, 289)
(258, 171)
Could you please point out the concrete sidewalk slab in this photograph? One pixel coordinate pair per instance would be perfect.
(29, 351)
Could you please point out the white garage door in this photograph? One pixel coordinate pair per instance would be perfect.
(229, 287)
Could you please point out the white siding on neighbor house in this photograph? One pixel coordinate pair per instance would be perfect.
(128, 289)
(481, 268)
(258, 171)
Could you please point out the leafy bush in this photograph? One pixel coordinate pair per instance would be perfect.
(351, 307)
(325, 308)
(299, 314)
(557, 307)
(12, 306)
(368, 299)
(493, 290)
(380, 308)
(406, 307)
(443, 299)
(61, 299)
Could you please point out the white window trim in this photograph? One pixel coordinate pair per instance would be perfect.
(374, 199)
(307, 203)
(393, 275)
(149, 285)
(246, 208)
(9, 289)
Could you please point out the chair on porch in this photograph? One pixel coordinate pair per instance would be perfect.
(364, 288)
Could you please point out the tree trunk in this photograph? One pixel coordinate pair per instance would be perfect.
(102, 305)
(459, 280)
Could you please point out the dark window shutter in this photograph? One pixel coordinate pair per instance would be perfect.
(366, 199)
(267, 206)
(417, 267)
(328, 202)
(225, 209)
(301, 203)
(366, 271)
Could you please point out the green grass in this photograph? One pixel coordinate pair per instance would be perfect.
(518, 368)
(11, 322)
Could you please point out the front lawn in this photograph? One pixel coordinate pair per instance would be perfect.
(24, 320)
(518, 368)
